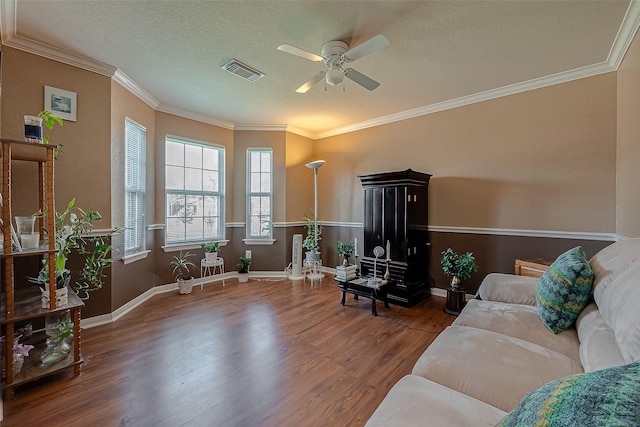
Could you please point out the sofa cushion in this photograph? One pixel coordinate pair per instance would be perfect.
(508, 288)
(519, 321)
(417, 401)
(618, 306)
(598, 346)
(612, 261)
(602, 398)
(494, 368)
(564, 290)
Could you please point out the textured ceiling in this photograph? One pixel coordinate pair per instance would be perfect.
(440, 51)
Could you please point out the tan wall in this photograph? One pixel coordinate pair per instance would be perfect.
(539, 160)
(299, 186)
(83, 170)
(628, 172)
(131, 280)
(168, 124)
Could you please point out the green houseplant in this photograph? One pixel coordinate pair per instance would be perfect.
(210, 246)
(310, 243)
(210, 250)
(182, 271)
(48, 119)
(243, 269)
(73, 232)
(459, 267)
(346, 250)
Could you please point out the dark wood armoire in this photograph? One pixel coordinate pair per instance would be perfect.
(396, 210)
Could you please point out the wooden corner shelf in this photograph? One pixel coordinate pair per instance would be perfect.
(22, 304)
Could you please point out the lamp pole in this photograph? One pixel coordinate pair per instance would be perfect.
(315, 166)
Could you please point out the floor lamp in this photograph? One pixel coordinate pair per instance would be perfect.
(315, 166)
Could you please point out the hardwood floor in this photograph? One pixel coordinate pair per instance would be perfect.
(262, 353)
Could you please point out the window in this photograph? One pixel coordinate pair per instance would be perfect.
(259, 193)
(194, 183)
(134, 186)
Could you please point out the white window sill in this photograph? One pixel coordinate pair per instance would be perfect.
(175, 247)
(128, 259)
(259, 241)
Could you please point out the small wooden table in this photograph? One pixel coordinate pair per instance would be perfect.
(532, 267)
(455, 301)
(361, 287)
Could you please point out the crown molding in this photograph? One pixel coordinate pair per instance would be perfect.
(567, 76)
(123, 80)
(264, 128)
(301, 132)
(625, 35)
(170, 109)
(10, 38)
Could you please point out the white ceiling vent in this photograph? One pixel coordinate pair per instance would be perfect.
(239, 69)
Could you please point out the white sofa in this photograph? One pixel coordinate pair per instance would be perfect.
(498, 349)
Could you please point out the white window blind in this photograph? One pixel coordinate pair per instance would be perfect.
(260, 193)
(194, 186)
(134, 171)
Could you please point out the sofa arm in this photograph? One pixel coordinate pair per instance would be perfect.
(508, 288)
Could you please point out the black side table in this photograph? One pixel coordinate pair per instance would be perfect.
(455, 301)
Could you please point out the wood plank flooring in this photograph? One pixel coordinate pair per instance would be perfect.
(262, 353)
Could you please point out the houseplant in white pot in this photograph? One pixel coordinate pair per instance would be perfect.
(182, 272)
(243, 269)
(210, 250)
(459, 267)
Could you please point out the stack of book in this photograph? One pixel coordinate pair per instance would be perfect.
(346, 272)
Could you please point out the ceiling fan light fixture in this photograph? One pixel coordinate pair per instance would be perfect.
(334, 75)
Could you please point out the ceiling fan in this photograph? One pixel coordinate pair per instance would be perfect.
(336, 54)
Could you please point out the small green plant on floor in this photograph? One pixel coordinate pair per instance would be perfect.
(182, 266)
(243, 265)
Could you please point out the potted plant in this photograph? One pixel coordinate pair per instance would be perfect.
(48, 119)
(73, 229)
(310, 243)
(210, 250)
(182, 272)
(243, 269)
(460, 267)
(345, 250)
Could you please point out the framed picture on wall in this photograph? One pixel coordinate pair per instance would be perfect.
(62, 103)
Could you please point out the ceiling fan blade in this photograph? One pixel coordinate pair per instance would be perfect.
(311, 82)
(361, 79)
(374, 44)
(300, 52)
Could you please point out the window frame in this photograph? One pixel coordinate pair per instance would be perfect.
(249, 194)
(137, 225)
(220, 194)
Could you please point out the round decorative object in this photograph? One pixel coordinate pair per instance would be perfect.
(211, 256)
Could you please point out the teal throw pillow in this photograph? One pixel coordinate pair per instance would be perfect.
(564, 290)
(610, 397)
